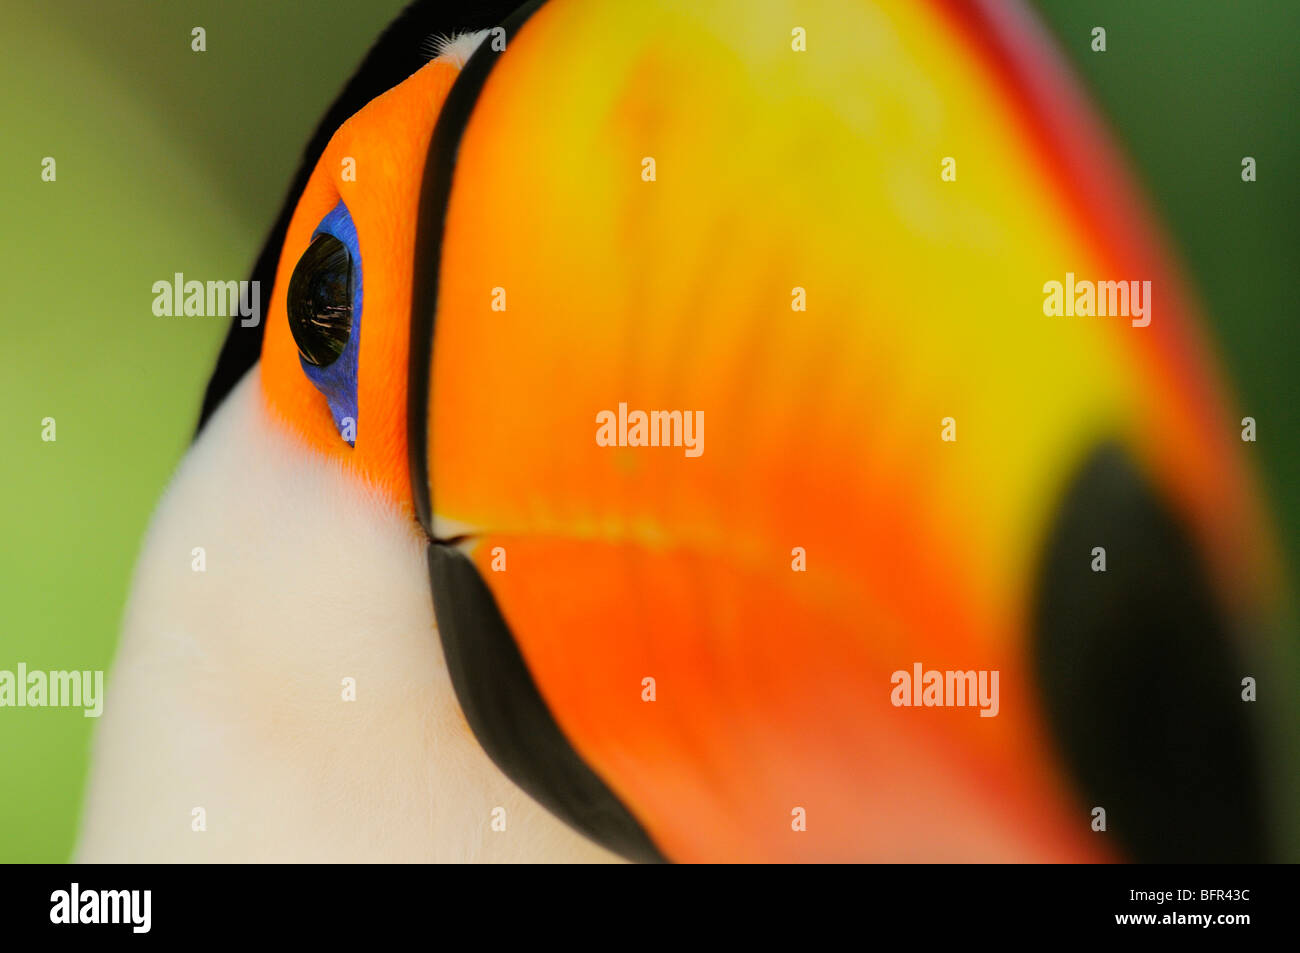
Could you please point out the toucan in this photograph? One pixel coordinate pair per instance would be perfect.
(655, 407)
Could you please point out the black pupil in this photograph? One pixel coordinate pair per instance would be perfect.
(320, 301)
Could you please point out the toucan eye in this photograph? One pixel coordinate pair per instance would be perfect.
(320, 301)
(325, 304)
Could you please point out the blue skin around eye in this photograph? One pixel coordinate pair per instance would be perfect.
(338, 382)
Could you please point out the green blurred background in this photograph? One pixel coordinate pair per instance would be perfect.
(170, 160)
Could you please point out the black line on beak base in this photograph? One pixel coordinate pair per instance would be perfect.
(496, 691)
(509, 717)
(435, 194)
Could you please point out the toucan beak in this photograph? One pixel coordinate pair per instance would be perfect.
(729, 406)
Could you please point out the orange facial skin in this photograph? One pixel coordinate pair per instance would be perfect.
(388, 140)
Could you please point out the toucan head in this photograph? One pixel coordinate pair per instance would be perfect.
(680, 384)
